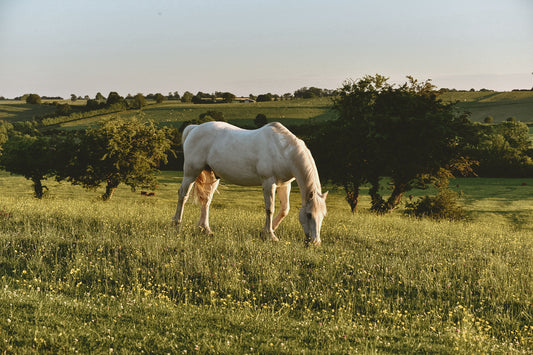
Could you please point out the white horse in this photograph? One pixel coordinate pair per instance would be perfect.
(271, 157)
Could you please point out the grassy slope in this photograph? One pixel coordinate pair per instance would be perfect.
(80, 274)
(499, 105)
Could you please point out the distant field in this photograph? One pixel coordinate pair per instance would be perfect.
(499, 105)
(172, 113)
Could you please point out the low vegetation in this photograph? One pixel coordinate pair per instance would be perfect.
(77, 274)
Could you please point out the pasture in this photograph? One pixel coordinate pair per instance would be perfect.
(499, 105)
(79, 274)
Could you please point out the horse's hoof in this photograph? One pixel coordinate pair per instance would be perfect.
(176, 225)
(206, 231)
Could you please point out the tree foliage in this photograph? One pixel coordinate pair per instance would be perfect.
(260, 120)
(402, 133)
(121, 151)
(503, 150)
(139, 101)
(33, 99)
(35, 157)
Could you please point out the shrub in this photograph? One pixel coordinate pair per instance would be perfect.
(442, 206)
(33, 99)
(260, 120)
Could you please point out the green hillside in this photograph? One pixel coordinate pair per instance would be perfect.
(499, 105)
(172, 113)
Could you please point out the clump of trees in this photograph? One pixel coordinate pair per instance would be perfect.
(503, 150)
(116, 151)
(208, 116)
(312, 92)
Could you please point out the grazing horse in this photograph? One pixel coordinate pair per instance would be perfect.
(271, 157)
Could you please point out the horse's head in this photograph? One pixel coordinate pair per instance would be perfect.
(311, 215)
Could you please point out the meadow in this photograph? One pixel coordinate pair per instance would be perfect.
(499, 105)
(82, 275)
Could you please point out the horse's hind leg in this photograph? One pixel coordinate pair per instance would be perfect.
(205, 191)
(283, 194)
(184, 191)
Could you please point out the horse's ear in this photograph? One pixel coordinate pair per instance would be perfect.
(325, 195)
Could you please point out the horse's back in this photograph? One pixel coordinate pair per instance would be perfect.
(240, 156)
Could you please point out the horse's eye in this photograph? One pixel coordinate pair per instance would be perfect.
(309, 216)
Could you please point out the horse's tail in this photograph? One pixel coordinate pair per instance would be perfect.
(186, 132)
(204, 186)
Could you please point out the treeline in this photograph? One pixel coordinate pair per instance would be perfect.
(115, 103)
(392, 138)
(116, 151)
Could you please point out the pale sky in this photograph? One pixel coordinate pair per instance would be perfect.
(58, 48)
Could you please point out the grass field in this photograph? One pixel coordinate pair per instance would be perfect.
(499, 105)
(79, 274)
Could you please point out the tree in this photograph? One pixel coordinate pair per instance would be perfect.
(228, 97)
(99, 97)
(5, 128)
(260, 120)
(34, 157)
(516, 133)
(33, 99)
(63, 109)
(401, 133)
(139, 101)
(215, 115)
(187, 96)
(264, 97)
(120, 151)
(159, 98)
(503, 150)
(114, 98)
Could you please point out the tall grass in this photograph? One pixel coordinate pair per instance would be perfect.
(78, 274)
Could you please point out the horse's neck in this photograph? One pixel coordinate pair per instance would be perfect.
(306, 174)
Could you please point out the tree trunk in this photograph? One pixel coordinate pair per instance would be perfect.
(109, 190)
(37, 187)
(377, 202)
(352, 195)
(396, 196)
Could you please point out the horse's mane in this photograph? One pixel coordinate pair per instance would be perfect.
(305, 162)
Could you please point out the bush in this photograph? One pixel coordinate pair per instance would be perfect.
(33, 99)
(260, 120)
(442, 206)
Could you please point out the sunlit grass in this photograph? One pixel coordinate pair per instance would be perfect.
(79, 274)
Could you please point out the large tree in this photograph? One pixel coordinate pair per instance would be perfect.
(121, 151)
(35, 157)
(400, 134)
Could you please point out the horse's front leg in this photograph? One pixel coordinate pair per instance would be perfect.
(283, 194)
(184, 190)
(269, 192)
